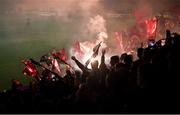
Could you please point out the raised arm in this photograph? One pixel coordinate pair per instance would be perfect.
(79, 64)
(103, 65)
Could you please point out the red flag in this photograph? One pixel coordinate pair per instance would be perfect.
(77, 48)
(95, 53)
(55, 66)
(54, 52)
(30, 69)
(96, 50)
(61, 54)
(151, 25)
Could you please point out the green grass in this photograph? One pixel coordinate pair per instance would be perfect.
(21, 41)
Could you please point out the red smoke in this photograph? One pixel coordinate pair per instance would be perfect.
(61, 54)
(151, 25)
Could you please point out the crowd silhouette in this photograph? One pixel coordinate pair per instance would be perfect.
(147, 85)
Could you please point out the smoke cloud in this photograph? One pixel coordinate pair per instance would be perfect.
(31, 28)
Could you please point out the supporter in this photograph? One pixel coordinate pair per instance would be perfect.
(126, 86)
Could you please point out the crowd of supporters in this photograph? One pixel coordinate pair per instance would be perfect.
(147, 85)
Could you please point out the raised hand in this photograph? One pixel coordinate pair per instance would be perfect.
(73, 58)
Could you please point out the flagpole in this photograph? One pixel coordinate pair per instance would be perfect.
(38, 64)
(95, 53)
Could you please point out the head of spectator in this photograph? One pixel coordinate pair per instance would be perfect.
(114, 60)
(122, 57)
(94, 65)
(140, 53)
(119, 66)
(77, 74)
(168, 37)
(128, 59)
(16, 84)
(147, 54)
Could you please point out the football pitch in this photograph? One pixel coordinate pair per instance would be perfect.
(21, 38)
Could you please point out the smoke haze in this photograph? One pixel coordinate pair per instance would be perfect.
(31, 28)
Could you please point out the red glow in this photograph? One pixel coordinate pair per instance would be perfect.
(61, 54)
(30, 69)
(77, 48)
(118, 41)
(151, 25)
(56, 66)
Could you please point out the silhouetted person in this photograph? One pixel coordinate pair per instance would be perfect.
(84, 69)
(136, 65)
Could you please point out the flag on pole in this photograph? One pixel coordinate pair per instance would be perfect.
(46, 59)
(56, 66)
(38, 64)
(61, 54)
(77, 48)
(30, 68)
(95, 53)
(96, 50)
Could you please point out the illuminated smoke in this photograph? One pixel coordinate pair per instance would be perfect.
(142, 11)
(96, 26)
(118, 42)
(91, 28)
(151, 27)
